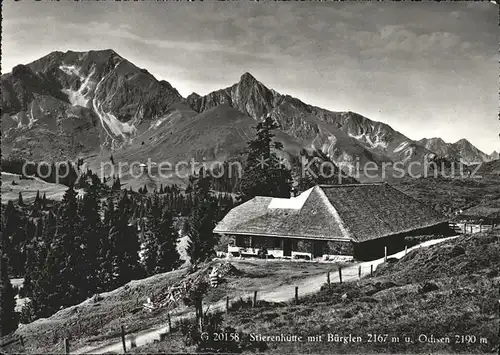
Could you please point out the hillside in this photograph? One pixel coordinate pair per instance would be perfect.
(98, 319)
(477, 197)
(448, 291)
(29, 188)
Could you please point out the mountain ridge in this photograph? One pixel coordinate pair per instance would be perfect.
(69, 104)
(461, 150)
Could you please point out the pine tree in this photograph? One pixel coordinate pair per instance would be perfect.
(151, 237)
(33, 259)
(15, 238)
(20, 201)
(201, 223)
(92, 235)
(123, 252)
(109, 213)
(168, 257)
(264, 173)
(8, 318)
(61, 278)
(44, 201)
(117, 185)
(36, 203)
(160, 241)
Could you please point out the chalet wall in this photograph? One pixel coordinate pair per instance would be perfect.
(374, 249)
(317, 248)
(339, 248)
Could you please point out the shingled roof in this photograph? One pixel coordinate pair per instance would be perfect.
(357, 212)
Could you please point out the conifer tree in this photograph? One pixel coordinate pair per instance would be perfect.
(20, 201)
(168, 258)
(44, 201)
(8, 318)
(264, 174)
(109, 213)
(92, 235)
(15, 237)
(121, 262)
(160, 240)
(151, 237)
(61, 278)
(37, 199)
(201, 223)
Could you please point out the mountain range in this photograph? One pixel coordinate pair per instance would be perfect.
(462, 150)
(91, 104)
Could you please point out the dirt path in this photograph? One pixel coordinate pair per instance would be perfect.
(280, 294)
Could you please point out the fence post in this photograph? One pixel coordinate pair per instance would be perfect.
(227, 304)
(123, 338)
(328, 278)
(296, 294)
(359, 271)
(406, 249)
(340, 274)
(385, 254)
(66, 346)
(254, 301)
(169, 323)
(371, 270)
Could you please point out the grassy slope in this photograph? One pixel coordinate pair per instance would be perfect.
(92, 322)
(28, 188)
(482, 194)
(445, 290)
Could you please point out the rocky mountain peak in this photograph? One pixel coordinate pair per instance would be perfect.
(193, 96)
(463, 142)
(248, 78)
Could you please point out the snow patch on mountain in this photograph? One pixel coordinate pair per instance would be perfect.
(69, 69)
(408, 153)
(400, 147)
(366, 138)
(78, 97)
(113, 127)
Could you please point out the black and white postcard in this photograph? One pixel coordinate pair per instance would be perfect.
(268, 177)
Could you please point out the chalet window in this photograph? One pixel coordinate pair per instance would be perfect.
(243, 241)
(277, 243)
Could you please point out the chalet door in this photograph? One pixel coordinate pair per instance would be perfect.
(318, 248)
(287, 247)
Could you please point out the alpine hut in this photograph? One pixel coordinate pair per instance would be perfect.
(330, 221)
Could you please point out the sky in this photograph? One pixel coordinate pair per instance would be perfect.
(428, 69)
